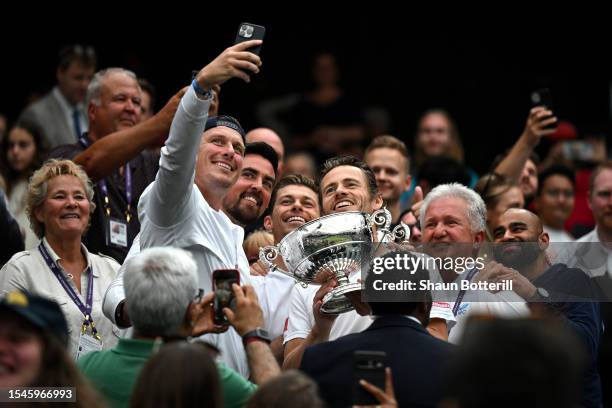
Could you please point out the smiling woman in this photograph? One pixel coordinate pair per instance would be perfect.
(59, 205)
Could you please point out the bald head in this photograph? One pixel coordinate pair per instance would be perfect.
(519, 222)
(271, 138)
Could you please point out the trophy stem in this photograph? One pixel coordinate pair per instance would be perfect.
(342, 279)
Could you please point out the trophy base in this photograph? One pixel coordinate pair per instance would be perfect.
(335, 302)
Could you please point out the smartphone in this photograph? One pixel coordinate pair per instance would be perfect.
(543, 97)
(580, 150)
(248, 31)
(223, 279)
(369, 366)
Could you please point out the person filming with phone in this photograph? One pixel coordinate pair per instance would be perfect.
(165, 304)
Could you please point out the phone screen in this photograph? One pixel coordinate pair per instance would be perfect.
(223, 280)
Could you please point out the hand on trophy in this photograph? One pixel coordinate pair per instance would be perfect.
(323, 322)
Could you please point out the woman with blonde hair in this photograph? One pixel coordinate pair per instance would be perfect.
(59, 206)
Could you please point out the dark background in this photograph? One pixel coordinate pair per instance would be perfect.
(483, 76)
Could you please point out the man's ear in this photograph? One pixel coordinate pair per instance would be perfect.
(378, 202)
(267, 222)
(479, 237)
(544, 241)
(91, 111)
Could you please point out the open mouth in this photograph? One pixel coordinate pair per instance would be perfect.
(251, 199)
(342, 204)
(69, 216)
(224, 166)
(296, 219)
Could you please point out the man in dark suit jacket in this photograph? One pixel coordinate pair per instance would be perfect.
(416, 358)
(61, 114)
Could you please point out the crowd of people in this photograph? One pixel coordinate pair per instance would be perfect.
(115, 218)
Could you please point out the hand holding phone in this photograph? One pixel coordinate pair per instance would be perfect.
(543, 97)
(248, 31)
(223, 279)
(368, 366)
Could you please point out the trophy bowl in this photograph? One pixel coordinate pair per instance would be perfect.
(330, 246)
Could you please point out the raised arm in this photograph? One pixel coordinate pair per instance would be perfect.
(173, 186)
(535, 128)
(111, 152)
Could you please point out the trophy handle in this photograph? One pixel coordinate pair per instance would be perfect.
(268, 254)
(381, 218)
(400, 233)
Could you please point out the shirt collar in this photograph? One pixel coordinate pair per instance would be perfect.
(56, 257)
(135, 347)
(404, 316)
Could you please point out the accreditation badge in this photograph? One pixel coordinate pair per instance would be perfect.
(87, 344)
(116, 233)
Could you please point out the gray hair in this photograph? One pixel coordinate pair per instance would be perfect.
(160, 283)
(476, 211)
(95, 86)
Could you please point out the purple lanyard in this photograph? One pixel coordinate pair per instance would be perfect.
(104, 189)
(462, 292)
(84, 308)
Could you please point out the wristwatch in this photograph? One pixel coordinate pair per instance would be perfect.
(258, 334)
(541, 295)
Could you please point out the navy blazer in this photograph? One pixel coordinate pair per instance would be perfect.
(416, 358)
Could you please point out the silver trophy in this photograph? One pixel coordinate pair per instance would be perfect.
(332, 246)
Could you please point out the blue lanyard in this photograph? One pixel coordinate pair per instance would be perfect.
(462, 292)
(104, 189)
(84, 308)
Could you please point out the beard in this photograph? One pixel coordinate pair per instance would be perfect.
(526, 254)
(243, 216)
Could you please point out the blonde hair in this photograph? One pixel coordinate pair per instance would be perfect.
(257, 239)
(39, 183)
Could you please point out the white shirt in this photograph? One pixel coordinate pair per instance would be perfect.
(590, 255)
(274, 294)
(558, 235)
(28, 271)
(503, 304)
(68, 110)
(173, 212)
(301, 316)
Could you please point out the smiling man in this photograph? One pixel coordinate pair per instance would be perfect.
(554, 289)
(294, 203)
(249, 197)
(387, 156)
(113, 104)
(347, 184)
(201, 161)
